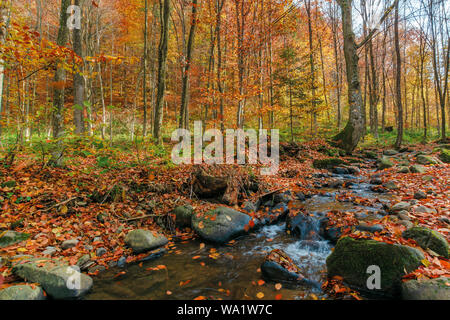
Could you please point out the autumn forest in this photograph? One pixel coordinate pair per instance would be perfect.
(357, 91)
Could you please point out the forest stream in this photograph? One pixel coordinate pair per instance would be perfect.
(235, 272)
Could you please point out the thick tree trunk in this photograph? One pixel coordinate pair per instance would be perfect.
(349, 138)
(162, 70)
(398, 81)
(184, 110)
(58, 91)
(78, 83)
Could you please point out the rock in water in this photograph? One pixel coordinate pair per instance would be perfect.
(352, 258)
(183, 216)
(144, 240)
(59, 280)
(428, 239)
(220, 225)
(435, 289)
(279, 267)
(22, 292)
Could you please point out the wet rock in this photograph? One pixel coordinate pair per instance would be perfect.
(279, 267)
(423, 209)
(226, 224)
(97, 268)
(144, 240)
(354, 170)
(249, 207)
(401, 206)
(376, 181)
(327, 163)
(403, 215)
(419, 195)
(329, 233)
(69, 244)
(282, 197)
(300, 196)
(336, 184)
(406, 224)
(49, 251)
(390, 152)
(122, 262)
(445, 156)
(340, 170)
(8, 238)
(427, 160)
(428, 239)
(351, 258)
(391, 185)
(85, 262)
(385, 163)
(22, 292)
(434, 289)
(100, 252)
(303, 226)
(404, 170)
(183, 216)
(55, 277)
(278, 212)
(444, 220)
(417, 169)
(369, 228)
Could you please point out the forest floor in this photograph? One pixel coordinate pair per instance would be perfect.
(99, 196)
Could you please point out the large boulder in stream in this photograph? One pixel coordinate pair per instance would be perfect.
(428, 239)
(183, 216)
(144, 240)
(220, 225)
(279, 267)
(352, 258)
(59, 280)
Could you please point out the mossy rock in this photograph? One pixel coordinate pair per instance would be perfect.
(220, 225)
(445, 156)
(426, 160)
(8, 238)
(59, 280)
(433, 289)
(9, 184)
(428, 239)
(370, 154)
(417, 168)
(22, 292)
(328, 163)
(141, 240)
(351, 259)
(183, 216)
(385, 163)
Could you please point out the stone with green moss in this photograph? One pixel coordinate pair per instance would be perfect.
(220, 225)
(430, 289)
(9, 184)
(370, 154)
(328, 163)
(385, 163)
(417, 168)
(183, 216)
(22, 292)
(59, 280)
(428, 239)
(445, 156)
(8, 238)
(426, 160)
(352, 258)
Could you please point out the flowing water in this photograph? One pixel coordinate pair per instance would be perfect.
(234, 273)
